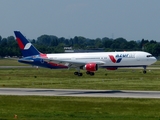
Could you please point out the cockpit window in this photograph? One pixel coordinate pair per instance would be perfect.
(149, 56)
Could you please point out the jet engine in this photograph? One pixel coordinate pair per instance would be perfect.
(91, 67)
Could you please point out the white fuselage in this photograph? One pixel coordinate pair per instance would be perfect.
(109, 59)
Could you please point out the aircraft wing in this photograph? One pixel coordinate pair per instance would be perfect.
(72, 63)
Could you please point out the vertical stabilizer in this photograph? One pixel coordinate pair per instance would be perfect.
(25, 46)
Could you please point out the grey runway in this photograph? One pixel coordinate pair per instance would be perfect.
(8, 67)
(79, 93)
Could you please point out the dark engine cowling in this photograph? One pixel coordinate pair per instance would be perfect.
(91, 67)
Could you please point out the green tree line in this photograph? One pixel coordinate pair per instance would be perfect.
(53, 44)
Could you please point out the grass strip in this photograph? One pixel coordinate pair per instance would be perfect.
(122, 79)
(77, 108)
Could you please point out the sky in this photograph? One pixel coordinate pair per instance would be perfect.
(130, 19)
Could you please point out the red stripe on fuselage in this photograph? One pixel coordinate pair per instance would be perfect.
(43, 55)
(20, 44)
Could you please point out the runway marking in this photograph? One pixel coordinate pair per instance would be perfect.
(79, 93)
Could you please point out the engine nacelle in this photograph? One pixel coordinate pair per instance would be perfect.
(91, 67)
(111, 68)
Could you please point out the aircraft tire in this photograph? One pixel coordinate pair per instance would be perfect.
(91, 73)
(88, 72)
(75, 73)
(80, 74)
(144, 71)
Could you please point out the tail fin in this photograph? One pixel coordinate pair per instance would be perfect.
(25, 46)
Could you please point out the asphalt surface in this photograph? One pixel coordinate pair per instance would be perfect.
(79, 93)
(6, 67)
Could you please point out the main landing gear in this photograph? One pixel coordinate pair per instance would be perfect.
(78, 73)
(90, 73)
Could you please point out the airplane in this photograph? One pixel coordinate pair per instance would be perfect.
(90, 62)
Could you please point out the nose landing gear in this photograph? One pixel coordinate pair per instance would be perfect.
(144, 71)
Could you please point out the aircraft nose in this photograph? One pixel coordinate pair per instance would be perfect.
(154, 59)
